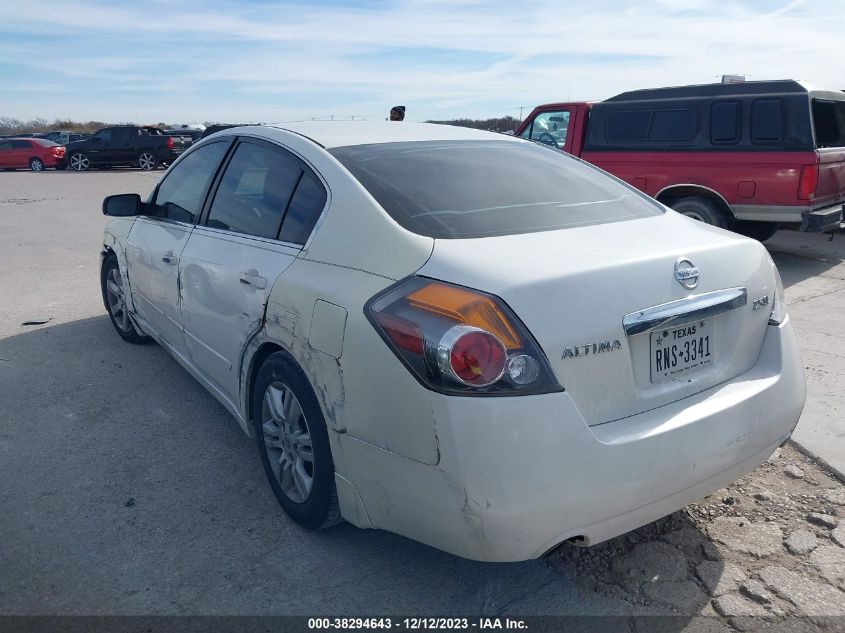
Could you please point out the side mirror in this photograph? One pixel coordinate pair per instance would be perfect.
(122, 205)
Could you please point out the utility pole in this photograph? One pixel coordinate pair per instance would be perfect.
(521, 108)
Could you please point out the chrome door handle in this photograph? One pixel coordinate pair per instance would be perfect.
(250, 279)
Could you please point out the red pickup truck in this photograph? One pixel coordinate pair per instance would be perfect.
(750, 157)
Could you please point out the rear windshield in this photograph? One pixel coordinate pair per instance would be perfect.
(466, 189)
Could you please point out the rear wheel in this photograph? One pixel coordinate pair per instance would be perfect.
(701, 209)
(147, 161)
(760, 231)
(36, 164)
(79, 162)
(294, 443)
(114, 298)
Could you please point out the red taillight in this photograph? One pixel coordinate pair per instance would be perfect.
(808, 182)
(169, 142)
(405, 335)
(460, 341)
(471, 355)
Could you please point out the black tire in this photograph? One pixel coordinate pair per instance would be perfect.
(148, 161)
(701, 209)
(320, 508)
(760, 231)
(36, 164)
(79, 161)
(121, 323)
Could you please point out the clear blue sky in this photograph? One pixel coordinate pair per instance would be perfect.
(262, 60)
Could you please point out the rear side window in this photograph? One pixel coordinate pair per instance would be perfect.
(255, 191)
(181, 194)
(305, 207)
(21, 145)
(725, 122)
(469, 189)
(766, 121)
(672, 125)
(628, 126)
(829, 123)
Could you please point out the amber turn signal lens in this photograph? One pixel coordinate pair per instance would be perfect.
(466, 307)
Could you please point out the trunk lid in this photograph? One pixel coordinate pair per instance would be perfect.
(573, 287)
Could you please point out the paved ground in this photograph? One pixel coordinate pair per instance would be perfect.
(126, 489)
(813, 272)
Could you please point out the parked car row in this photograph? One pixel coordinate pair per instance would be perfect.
(146, 147)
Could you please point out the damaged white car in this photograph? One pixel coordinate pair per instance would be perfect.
(472, 340)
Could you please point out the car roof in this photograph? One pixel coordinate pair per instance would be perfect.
(331, 134)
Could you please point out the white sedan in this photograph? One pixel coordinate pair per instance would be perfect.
(466, 338)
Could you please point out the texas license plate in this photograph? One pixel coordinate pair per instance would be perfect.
(679, 350)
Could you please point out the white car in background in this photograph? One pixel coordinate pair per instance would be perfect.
(466, 338)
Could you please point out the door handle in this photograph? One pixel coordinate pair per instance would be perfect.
(169, 259)
(251, 278)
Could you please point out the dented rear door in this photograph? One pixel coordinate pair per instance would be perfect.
(225, 280)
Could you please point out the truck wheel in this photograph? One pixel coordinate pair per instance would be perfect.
(35, 164)
(79, 162)
(147, 161)
(701, 209)
(760, 231)
(294, 443)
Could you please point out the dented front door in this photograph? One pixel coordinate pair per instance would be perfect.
(226, 278)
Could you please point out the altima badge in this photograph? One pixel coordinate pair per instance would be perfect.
(576, 351)
(686, 273)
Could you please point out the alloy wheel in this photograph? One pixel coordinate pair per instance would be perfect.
(147, 161)
(287, 441)
(79, 162)
(117, 300)
(36, 165)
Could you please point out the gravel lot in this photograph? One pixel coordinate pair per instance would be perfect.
(128, 490)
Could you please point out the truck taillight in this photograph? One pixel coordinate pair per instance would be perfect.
(169, 142)
(808, 182)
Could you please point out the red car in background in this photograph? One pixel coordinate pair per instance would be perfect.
(36, 154)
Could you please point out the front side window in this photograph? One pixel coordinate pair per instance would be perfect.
(469, 189)
(255, 191)
(5, 146)
(181, 194)
(548, 128)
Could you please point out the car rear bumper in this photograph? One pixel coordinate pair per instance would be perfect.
(518, 476)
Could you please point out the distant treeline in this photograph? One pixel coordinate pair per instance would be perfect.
(9, 125)
(501, 124)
